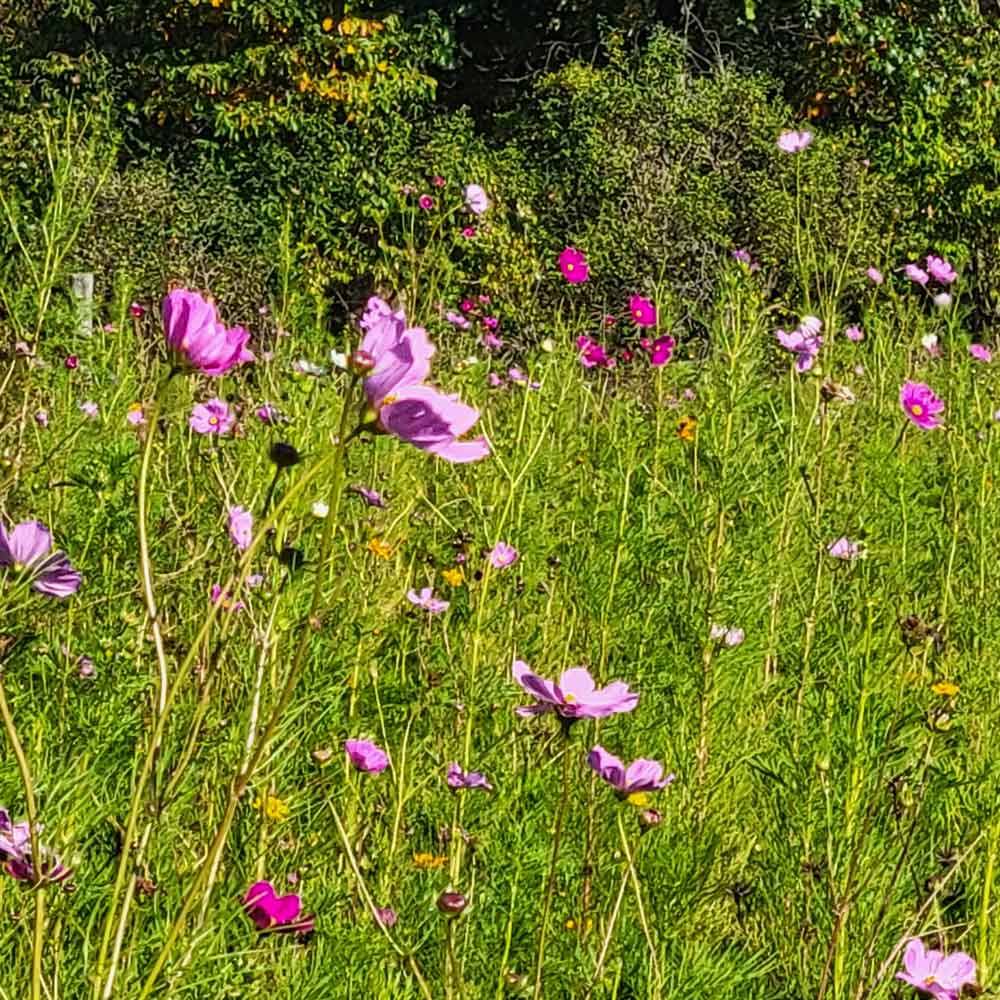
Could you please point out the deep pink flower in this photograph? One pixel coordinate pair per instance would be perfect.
(266, 413)
(137, 310)
(794, 142)
(212, 417)
(573, 265)
(491, 322)
(643, 311)
(916, 274)
(981, 352)
(661, 350)
(426, 202)
(15, 850)
(457, 778)
(271, 912)
(640, 776)
(27, 550)
(855, 333)
(366, 756)
(592, 354)
(920, 405)
(196, 337)
(467, 305)
(503, 555)
(875, 275)
(426, 600)
(475, 199)
(225, 599)
(844, 548)
(940, 270)
(575, 696)
(468, 232)
(941, 976)
(72, 362)
(240, 527)
(371, 497)
(438, 181)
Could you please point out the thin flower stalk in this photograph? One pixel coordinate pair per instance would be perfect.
(634, 875)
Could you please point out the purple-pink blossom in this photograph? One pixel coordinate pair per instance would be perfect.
(940, 270)
(225, 600)
(427, 601)
(981, 353)
(803, 342)
(592, 354)
(854, 332)
(917, 274)
(271, 912)
(941, 976)
(371, 497)
(793, 141)
(844, 548)
(573, 265)
(457, 319)
(875, 276)
(366, 756)
(240, 527)
(212, 417)
(503, 555)
(15, 850)
(921, 405)
(457, 778)
(27, 551)
(196, 337)
(641, 775)
(476, 200)
(575, 696)
(135, 415)
(642, 310)
(491, 341)
(426, 202)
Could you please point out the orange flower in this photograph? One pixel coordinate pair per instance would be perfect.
(453, 577)
(686, 428)
(379, 548)
(429, 862)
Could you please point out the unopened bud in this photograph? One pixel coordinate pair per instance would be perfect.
(648, 818)
(451, 904)
(284, 455)
(360, 362)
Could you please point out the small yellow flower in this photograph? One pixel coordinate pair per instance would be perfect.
(351, 49)
(945, 688)
(453, 577)
(686, 428)
(274, 808)
(379, 548)
(571, 924)
(638, 799)
(327, 24)
(347, 26)
(381, 65)
(429, 862)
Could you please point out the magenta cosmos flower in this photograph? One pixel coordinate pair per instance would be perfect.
(212, 417)
(794, 142)
(27, 550)
(981, 353)
(427, 601)
(426, 202)
(196, 337)
(640, 776)
(592, 354)
(941, 976)
(920, 405)
(575, 696)
(940, 270)
(661, 350)
(457, 778)
(15, 849)
(271, 912)
(643, 311)
(803, 343)
(366, 756)
(240, 527)
(855, 333)
(574, 266)
(503, 555)
(399, 401)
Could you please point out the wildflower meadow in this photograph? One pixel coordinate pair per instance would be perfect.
(586, 636)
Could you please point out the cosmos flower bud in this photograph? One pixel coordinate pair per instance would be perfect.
(284, 455)
(648, 818)
(360, 362)
(451, 904)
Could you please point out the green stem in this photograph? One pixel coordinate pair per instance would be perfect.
(36, 853)
(638, 902)
(243, 777)
(550, 883)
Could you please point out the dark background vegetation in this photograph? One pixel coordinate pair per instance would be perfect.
(262, 138)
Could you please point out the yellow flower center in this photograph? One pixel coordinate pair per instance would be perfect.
(569, 699)
(569, 267)
(638, 799)
(213, 420)
(930, 980)
(917, 410)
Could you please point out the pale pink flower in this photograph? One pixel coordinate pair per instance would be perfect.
(427, 601)
(941, 976)
(475, 199)
(875, 276)
(916, 274)
(795, 142)
(844, 548)
(575, 696)
(503, 555)
(198, 339)
(641, 775)
(940, 270)
(240, 527)
(980, 352)
(212, 417)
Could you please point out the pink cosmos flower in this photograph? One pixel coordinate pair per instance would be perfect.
(661, 350)
(916, 274)
(386, 916)
(266, 413)
(475, 199)
(575, 696)
(196, 337)
(794, 142)
(426, 600)
(573, 265)
(942, 300)
(371, 497)
(940, 270)
(438, 181)
(803, 344)
(15, 849)
(137, 310)
(741, 256)
(426, 202)
(225, 599)
(929, 342)
(592, 354)
(844, 548)
(27, 550)
(240, 527)
(401, 404)
(494, 380)
(643, 311)
(72, 362)
(213, 417)
(640, 776)
(467, 305)
(920, 405)
(875, 276)
(468, 232)
(457, 778)
(135, 415)
(503, 555)
(89, 409)
(271, 912)
(491, 341)
(730, 637)
(981, 352)
(519, 378)
(42, 418)
(491, 322)
(854, 333)
(457, 319)
(366, 756)
(940, 976)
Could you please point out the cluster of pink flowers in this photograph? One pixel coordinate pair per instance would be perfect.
(472, 311)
